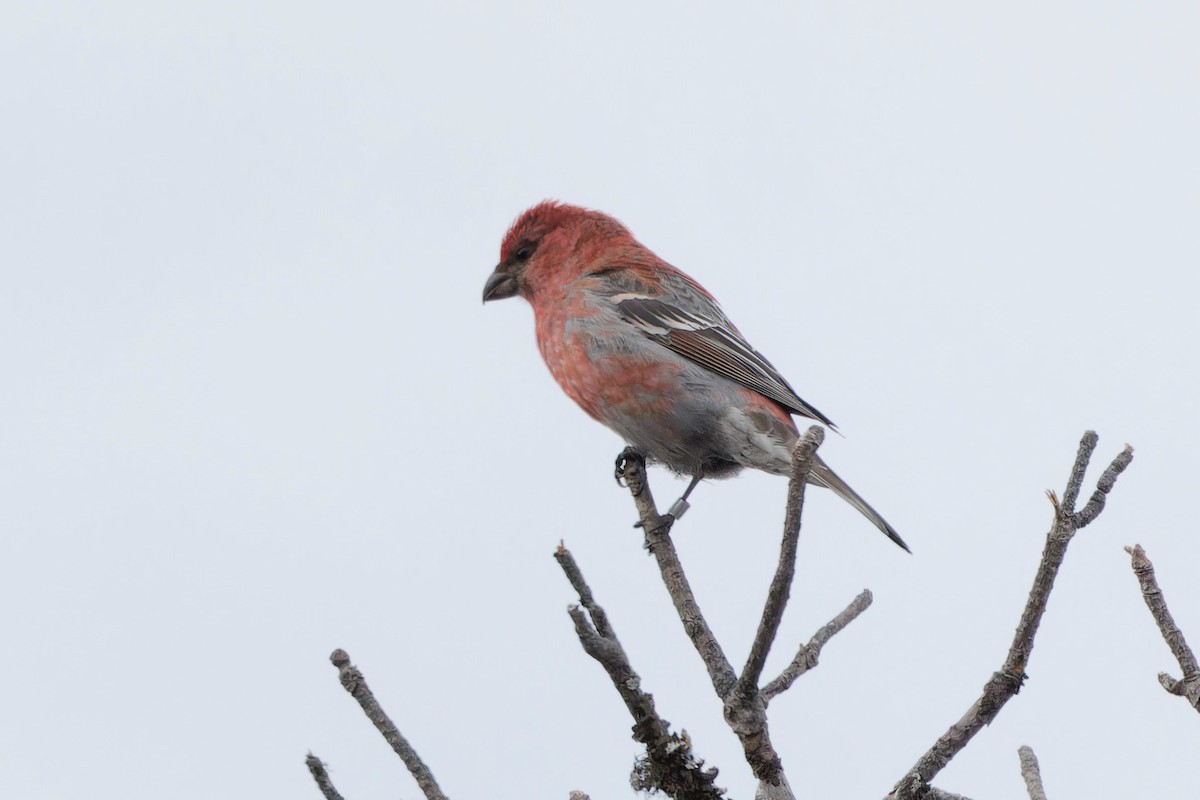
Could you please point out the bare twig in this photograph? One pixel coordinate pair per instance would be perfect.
(1031, 773)
(1189, 685)
(317, 769)
(781, 584)
(1005, 683)
(354, 683)
(1087, 445)
(806, 657)
(669, 765)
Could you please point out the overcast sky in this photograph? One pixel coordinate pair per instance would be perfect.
(253, 409)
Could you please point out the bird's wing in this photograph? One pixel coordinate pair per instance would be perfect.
(688, 322)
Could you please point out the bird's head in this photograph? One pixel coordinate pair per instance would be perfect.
(551, 245)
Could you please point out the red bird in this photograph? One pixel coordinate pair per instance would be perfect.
(646, 350)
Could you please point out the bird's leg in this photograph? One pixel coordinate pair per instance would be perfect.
(680, 506)
(630, 471)
(627, 457)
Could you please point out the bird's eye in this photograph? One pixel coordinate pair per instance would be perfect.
(524, 251)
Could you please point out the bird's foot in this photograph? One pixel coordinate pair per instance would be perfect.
(665, 521)
(662, 525)
(630, 470)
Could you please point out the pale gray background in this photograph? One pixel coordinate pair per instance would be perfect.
(253, 409)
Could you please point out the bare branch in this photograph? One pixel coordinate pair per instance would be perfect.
(669, 765)
(745, 713)
(354, 683)
(1189, 685)
(806, 657)
(781, 584)
(578, 795)
(1005, 683)
(658, 541)
(1031, 773)
(317, 769)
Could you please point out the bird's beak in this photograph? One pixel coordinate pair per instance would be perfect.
(500, 284)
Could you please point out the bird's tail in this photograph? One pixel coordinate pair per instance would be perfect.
(822, 475)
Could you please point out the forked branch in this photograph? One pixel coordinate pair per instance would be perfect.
(669, 765)
(745, 702)
(1005, 683)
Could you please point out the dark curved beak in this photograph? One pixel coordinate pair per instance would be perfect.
(500, 284)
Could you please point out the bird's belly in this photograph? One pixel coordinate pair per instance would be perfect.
(674, 412)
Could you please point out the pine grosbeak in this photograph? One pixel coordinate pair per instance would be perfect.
(646, 350)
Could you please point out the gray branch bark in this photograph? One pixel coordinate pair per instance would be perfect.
(317, 769)
(353, 682)
(941, 794)
(1031, 772)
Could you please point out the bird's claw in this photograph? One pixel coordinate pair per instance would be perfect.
(627, 457)
(661, 525)
(665, 521)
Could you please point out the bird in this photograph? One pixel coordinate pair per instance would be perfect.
(646, 350)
